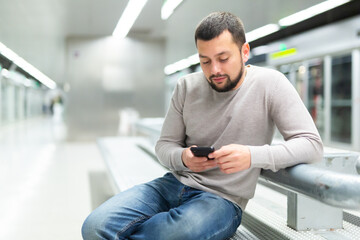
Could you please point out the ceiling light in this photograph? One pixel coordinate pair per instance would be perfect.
(182, 64)
(261, 32)
(127, 19)
(27, 67)
(168, 8)
(311, 11)
(7, 52)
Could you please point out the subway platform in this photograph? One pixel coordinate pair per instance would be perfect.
(48, 183)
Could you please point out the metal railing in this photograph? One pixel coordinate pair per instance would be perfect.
(337, 184)
(333, 188)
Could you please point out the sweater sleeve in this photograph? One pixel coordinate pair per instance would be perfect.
(171, 143)
(302, 141)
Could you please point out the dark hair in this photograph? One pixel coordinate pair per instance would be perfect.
(216, 23)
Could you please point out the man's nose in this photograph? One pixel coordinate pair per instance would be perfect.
(215, 69)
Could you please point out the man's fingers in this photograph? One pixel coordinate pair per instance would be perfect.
(227, 165)
(210, 163)
(223, 151)
(204, 164)
(201, 166)
(198, 159)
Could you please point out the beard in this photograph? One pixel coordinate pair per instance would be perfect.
(230, 84)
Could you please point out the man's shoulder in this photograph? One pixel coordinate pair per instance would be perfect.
(192, 80)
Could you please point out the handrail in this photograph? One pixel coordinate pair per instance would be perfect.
(333, 188)
(330, 187)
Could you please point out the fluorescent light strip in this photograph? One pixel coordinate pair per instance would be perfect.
(127, 19)
(7, 52)
(261, 32)
(311, 11)
(27, 67)
(168, 8)
(182, 64)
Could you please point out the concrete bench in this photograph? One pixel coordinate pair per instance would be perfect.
(131, 161)
(127, 163)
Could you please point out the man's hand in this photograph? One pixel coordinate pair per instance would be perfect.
(232, 158)
(196, 164)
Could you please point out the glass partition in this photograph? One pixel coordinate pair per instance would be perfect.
(341, 99)
(316, 93)
(295, 73)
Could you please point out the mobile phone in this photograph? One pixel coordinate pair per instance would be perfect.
(202, 151)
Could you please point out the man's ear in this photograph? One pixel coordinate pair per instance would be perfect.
(245, 50)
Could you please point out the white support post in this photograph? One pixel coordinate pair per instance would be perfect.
(306, 84)
(305, 213)
(1, 100)
(355, 114)
(327, 99)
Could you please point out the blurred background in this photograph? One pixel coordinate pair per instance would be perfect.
(68, 78)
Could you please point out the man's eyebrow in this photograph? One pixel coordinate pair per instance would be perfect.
(218, 54)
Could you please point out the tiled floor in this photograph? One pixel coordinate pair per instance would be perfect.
(44, 181)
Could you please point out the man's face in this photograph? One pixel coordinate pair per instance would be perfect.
(222, 62)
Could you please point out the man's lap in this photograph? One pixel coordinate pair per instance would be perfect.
(163, 209)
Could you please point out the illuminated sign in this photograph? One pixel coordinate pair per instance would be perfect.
(284, 53)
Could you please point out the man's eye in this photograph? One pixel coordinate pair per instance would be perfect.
(206, 62)
(224, 60)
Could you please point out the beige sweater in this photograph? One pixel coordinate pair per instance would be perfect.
(198, 115)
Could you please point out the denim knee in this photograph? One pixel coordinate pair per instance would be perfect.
(92, 228)
(87, 229)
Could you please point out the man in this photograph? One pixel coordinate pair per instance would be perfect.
(232, 107)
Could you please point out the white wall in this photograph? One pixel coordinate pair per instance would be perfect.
(35, 31)
(106, 75)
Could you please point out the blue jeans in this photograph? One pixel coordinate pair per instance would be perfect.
(163, 209)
